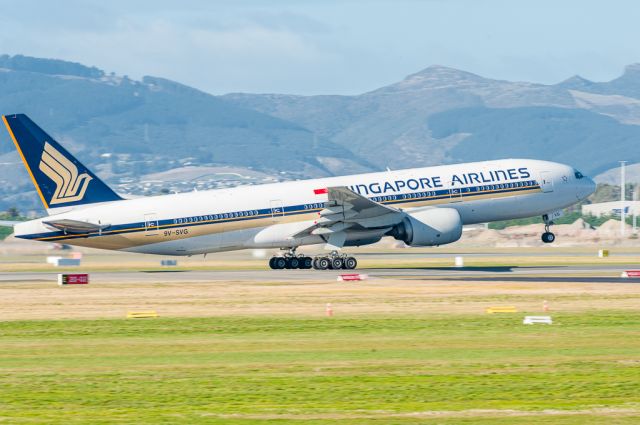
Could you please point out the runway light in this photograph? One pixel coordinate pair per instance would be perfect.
(329, 310)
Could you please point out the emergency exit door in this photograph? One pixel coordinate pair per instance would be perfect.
(151, 224)
(277, 209)
(546, 181)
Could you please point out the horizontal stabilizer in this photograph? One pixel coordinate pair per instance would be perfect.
(76, 226)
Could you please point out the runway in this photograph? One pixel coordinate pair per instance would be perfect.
(587, 273)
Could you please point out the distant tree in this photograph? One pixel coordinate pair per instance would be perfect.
(12, 212)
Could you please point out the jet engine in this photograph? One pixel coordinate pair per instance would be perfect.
(436, 226)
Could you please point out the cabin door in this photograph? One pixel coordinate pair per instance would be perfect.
(546, 181)
(277, 209)
(151, 224)
(455, 193)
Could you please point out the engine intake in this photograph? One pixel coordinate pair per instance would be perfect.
(437, 226)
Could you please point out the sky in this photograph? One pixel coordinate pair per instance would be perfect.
(324, 46)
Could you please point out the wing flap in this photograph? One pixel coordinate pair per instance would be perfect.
(347, 210)
(364, 206)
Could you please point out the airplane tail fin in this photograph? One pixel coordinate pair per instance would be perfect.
(60, 179)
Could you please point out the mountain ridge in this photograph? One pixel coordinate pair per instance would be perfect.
(128, 129)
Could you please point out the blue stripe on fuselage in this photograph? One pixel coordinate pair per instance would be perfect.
(288, 211)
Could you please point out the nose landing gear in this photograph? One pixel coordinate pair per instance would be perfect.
(547, 236)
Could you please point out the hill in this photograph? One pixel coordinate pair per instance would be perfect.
(136, 133)
(127, 128)
(443, 115)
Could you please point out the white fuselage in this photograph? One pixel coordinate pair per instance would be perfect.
(267, 216)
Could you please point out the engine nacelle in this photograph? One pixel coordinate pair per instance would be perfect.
(437, 226)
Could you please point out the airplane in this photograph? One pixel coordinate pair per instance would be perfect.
(420, 206)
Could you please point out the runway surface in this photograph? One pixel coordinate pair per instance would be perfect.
(501, 253)
(507, 273)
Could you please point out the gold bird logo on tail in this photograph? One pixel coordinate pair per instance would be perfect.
(70, 186)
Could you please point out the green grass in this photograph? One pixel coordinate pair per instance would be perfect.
(338, 370)
(5, 231)
(13, 215)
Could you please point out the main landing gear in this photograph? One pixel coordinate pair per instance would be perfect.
(547, 236)
(291, 261)
(333, 261)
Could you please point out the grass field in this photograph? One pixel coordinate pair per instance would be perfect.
(400, 369)
(399, 350)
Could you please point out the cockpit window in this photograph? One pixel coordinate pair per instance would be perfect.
(578, 174)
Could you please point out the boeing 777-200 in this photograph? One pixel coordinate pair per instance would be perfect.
(420, 206)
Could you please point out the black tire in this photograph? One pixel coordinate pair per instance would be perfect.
(294, 263)
(548, 237)
(272, 263)
(306, 263)
(280, 263)
(314, 264)
(323, 263)
(337, 263)
(350, 263)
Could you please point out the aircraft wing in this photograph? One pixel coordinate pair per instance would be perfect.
(76, 226)
(347, 210)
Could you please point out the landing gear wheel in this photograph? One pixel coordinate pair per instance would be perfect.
(548, 237)
(334, 261)
(306, 263)
(279, 263)
(322, 263)
(350, 263)
(337, 263)
(294, 263)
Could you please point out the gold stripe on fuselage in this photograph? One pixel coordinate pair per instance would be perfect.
(131, 237)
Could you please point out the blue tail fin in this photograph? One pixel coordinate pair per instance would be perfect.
(60, 179)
